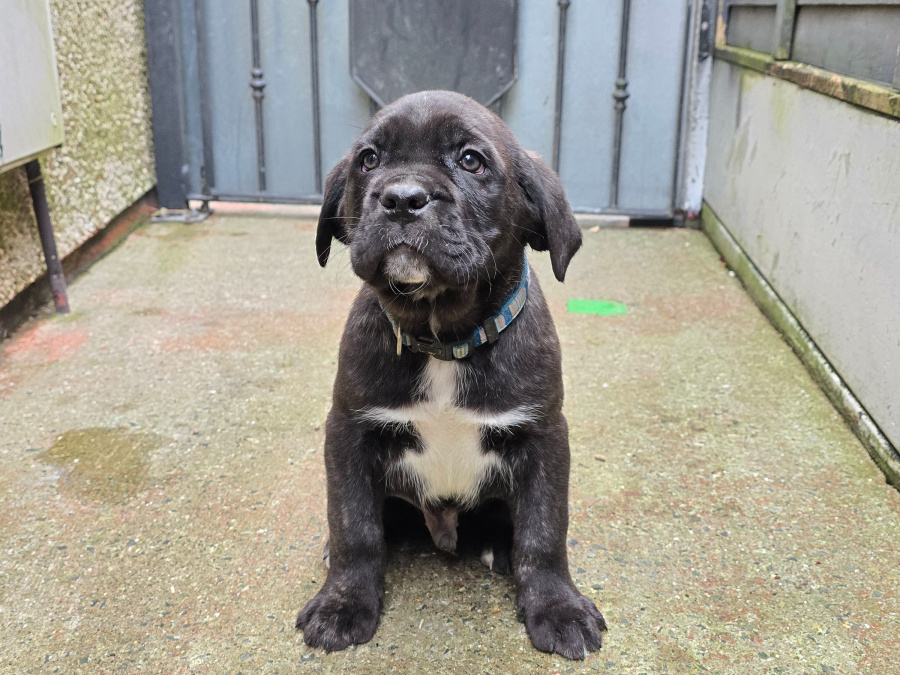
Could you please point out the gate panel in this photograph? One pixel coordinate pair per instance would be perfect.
(403, 46)
(225, 55)
(220, 132)
(528, 106)
(588, 116)
(345, 107)
(651, 122)
(287, 109)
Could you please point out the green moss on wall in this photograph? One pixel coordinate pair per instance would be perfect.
(21, 260)
(106, 162)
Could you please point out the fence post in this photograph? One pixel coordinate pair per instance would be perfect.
(785, 12)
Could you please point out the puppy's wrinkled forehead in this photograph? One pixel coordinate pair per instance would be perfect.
(423, 126)
(443, 176)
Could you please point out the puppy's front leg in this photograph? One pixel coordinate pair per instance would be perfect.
(347, 608)
(557, 617)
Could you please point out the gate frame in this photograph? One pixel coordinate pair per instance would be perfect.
(165, 66)
(165, 72)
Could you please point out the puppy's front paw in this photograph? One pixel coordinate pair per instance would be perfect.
(334, 620)
(565, 623)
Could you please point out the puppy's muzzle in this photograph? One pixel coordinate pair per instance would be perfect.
(407, 266)
(404, 202)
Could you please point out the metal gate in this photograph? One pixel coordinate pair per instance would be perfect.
(253, 100)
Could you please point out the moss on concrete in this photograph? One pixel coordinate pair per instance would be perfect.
(874, 440)
(100, 463)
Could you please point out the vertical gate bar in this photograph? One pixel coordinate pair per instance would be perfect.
(679, 120)
(207, 170)
(560, 70)
(258, 84)
(314, 65)
(48, 241)
(785, 11)
(620, 94)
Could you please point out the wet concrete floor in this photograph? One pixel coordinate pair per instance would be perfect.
(162, 486)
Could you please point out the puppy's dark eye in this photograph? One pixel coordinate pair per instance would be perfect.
(369, 160)
(472, 162)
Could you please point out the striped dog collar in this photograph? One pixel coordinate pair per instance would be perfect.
(489, 332)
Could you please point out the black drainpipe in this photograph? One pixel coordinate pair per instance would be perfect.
(48, 241)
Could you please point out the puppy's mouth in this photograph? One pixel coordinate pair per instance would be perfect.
(406, 270)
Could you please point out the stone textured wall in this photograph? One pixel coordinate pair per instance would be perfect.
(21, 260)
(106, 161)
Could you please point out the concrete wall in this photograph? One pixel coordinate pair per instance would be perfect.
(810, 188)
(106, 162)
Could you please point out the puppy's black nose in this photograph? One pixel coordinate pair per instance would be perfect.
(403, 198)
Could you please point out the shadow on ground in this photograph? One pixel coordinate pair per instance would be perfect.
(163, 488)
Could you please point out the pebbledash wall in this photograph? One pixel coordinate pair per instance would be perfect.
(803, 170)
(106, 162)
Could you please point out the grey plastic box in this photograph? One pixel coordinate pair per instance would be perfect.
(30, 111)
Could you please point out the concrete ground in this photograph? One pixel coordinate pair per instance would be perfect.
(163, 494)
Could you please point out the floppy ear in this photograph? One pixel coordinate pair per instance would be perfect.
(331, 222)
(550, 221)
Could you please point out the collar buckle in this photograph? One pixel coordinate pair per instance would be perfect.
(432, 347)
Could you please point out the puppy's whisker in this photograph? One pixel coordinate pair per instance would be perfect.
(410, 292)
(496, 269)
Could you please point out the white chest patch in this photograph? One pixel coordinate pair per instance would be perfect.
(451, 463)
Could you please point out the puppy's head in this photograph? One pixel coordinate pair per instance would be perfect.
(437, 196)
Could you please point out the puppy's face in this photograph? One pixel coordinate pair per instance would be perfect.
(437, 196)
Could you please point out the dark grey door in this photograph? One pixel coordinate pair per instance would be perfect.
(265, 102)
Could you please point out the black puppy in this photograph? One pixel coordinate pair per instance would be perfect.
(449, 385)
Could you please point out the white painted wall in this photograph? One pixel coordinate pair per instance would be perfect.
(810, 188)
